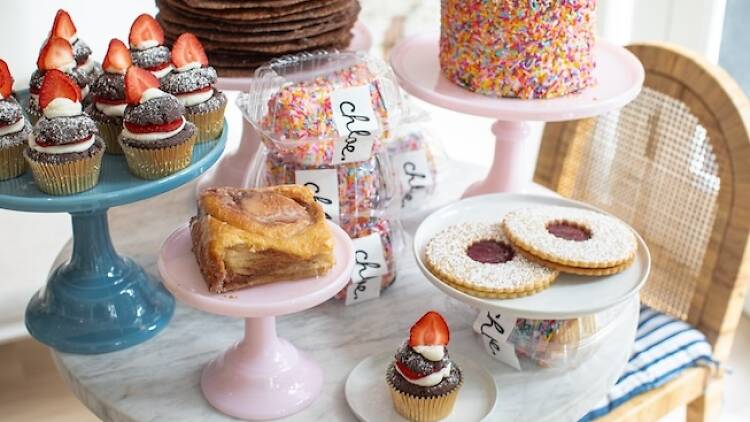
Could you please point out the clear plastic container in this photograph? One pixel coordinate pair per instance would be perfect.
(324, 107)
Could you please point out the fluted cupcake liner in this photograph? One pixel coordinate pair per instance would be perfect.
(12, 163)
(156, 163)
(110, 133)
(69, 177)
(423, 409)
(209, 124)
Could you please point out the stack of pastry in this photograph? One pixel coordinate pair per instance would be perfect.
(240, 36)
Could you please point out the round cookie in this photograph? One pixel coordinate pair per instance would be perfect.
(571, 237)
(576, 270)
(478, 259)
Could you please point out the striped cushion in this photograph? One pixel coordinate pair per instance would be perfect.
(664, 347)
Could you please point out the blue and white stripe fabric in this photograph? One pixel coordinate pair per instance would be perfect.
(664, 347)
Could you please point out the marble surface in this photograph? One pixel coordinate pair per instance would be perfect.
(159, 380)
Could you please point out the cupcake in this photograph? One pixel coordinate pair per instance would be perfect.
(64, 151)
(192, 82)
(57, 54)
(64, 27)
(147, 47)
(108, 95)
(424, 382)
(14, 129)
(156, 138)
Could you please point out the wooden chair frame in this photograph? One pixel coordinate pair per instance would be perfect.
(724, 110)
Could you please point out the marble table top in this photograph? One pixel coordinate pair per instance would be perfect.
(159, 380)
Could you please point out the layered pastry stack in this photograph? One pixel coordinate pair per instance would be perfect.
(240, 36)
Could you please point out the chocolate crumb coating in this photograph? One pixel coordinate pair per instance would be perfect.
(218, 100)
(80, 78)
(10, 111)
(43, 157)
(150, 57)
(64, 130)
(16, 138)
(110, 86)
(81, 51)
(417, 363)
(156, 111)
(176, 139)
(188, 81)
(445, 386)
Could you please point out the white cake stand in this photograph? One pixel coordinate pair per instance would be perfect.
(619, 77)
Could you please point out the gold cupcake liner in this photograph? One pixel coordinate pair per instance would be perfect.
(209, 124)
(12, 163)
(66, 178)
(156, 163)
(110, 133)
(423, 409)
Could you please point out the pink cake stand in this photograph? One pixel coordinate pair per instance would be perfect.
(234, 166)
(262, 376)
(619, 77)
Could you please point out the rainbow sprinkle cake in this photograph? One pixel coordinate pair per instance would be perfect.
(518, 48)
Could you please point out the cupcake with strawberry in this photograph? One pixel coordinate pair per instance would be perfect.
(14, 129)
(156, 138)
(64, 151)
(423, 380)
(192, 82)
(63, 27)
(108, 95)
(147, 47)
(57, 54)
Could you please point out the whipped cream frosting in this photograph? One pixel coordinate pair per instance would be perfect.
(112, 110)
(193, 98)
(428, 380)
(62, 107)
(88, 65)
(189, 66)
(434, 353)
(13, 128)
(162, 72)
(67, 67)
(151, 93)
(62, 149)
(151, 136)
(145, 44)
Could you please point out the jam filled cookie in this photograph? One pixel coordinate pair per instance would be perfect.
(478, 259)
(571, 239)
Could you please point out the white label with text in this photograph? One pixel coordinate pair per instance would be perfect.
(355, 122)
(369, 267)
(495, 328)
(414, 175)
(324, 185)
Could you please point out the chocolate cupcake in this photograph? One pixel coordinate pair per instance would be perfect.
(423, 380)
(156, 138)
(64, 27)
(57, 54)
(147, 47)
(192, 82)
(108, 95)
(14, 129)
(64, 151)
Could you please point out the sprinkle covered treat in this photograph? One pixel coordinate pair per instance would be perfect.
(63, 27)
(147, 47)
(192, 82)
(423, 380)
(14, 129)
(513, 48)
(64, 151)
(156, 138)
(108, 95)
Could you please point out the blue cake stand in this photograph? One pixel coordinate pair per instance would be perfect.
(100, 301)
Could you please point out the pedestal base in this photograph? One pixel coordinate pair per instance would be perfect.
(262, 377)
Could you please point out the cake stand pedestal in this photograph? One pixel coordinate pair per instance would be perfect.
(262, 376)
(619, 77)
(233, 168)
(100, 301)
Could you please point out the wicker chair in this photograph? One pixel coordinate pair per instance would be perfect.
(675, 164)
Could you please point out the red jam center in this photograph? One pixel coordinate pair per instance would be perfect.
(569, 231)
(408, 373)
(166, 127)
(490, 252)
(158, 67)
(109, 101)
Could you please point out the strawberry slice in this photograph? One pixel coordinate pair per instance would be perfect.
(137, 81)
(6, 80)
(430, 330)
(187, 49)
(117, 58)
(56, 53)
(63, 26)
(408, 373)
(145, 28)
(166, 127)
(57, 85)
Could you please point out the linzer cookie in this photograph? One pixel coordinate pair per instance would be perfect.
(572, 240)
(478, 259)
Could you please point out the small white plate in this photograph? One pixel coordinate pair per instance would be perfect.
(368, 395)
(570, 296)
